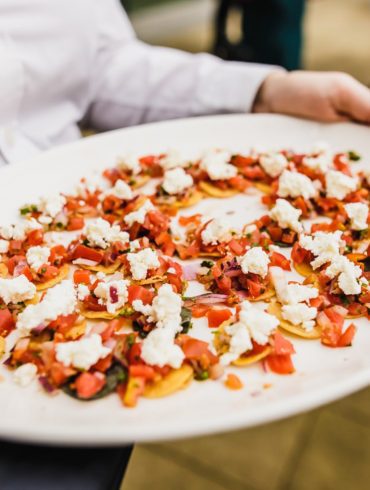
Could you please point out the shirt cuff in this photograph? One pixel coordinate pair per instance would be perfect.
(229, 86)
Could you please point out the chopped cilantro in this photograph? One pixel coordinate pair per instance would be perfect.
(202, 376)
(206, 263)
(354, 156)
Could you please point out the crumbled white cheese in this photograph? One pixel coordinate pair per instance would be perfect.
(258, 324)
(99, 233)
(215, 163)
(159, 349)
(59, 300)
(324, 246)
(172, 159)
(16, 290)
(273, 163)
(4, 246)
(292, 293)
(130, 163)
(82, 292)
(178, 232)
(255, 260)
(120, 190)
(286, 215)
(51, 205)
(300, 314)
(240, 342)
(216, 231)
(25, 374)
(64, 238)
(82, 353)
(135, 245)
(37, 256)
(338, 185)
(19, 230)
(139, 215)
(140, 262)
(139, 306)
(176, 181)
(321, 162)
(250, 229)
(294, 184)
(166, 309)
(92, 183)
(348, 274)
(113, 294)
(358, 213)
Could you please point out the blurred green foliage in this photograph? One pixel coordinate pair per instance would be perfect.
(131, 5)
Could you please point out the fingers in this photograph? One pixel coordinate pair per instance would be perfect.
(352, 99)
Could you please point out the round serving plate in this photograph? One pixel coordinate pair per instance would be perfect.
(322, 374)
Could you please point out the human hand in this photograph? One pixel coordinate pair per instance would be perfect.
(324, 96)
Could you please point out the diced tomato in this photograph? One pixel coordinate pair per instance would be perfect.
(60, 373)
(224, 283)
(104, 364)
(75, 223)
(242, 161)
(57, 255)
(83, 252)
(35, 237)
(282, 346)
(239, 183)
(289, 237)
(142, 371)
(233, 382)
(254, 173)
(317, 302)
(81, 276)
(195, 349)
(7, 322)
(48, 272)
(14, 261)
(278, 260)
(87, 384)
(136, 292)
(236, 247)
(187, 220)
(198, 311)
(216, 317)
(275, 233)
(300, 255)
(15, 246)
(134, 354)
(64, 322)
(280, 364)
(255, 289)
(347, 337)
(357, 309)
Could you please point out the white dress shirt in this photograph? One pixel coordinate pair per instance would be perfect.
(67, 61)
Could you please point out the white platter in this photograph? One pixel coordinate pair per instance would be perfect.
(322, 374)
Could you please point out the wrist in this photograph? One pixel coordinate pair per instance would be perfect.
(269, 92)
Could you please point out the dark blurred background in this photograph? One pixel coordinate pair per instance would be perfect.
(313, 34)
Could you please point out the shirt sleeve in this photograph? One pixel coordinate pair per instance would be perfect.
(135, 83)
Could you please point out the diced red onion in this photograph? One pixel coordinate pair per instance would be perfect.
(113, 293)
(190, 271)
(45, 383)
(85, 262)
(207, 299)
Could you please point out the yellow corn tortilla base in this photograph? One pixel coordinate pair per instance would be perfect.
(210, 254)
(110, 269)
(150, 280)
(275, 309)
(76, 331)
(214, 191)
(104, 315)
(193, 199)
(304, 269)
(140, 181)
(63, 273)
(2, 346)
(265, 188)
(248, 360)
(3, 270)
(172, 382)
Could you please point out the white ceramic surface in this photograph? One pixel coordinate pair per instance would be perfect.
(322, 374)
